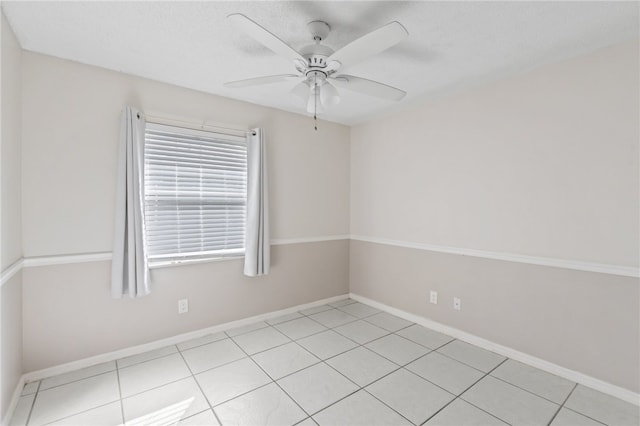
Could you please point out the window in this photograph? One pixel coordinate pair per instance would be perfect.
(195, 193)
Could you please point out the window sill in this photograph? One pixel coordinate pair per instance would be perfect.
(169, 263)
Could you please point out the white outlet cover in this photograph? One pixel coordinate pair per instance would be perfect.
(183, 306)
(433, 297)
(456, 303)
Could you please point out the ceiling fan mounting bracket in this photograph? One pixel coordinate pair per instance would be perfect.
(319, 30)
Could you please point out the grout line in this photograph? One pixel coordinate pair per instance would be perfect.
(361, 388)
(584, 415)
(274, 381)
(533, 393)
(87, 410)
(475, 383)
(73, 381)
(120, 393)
(204, 395)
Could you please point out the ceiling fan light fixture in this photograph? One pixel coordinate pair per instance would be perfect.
(301, 92)
(314, 106)
(329, 96)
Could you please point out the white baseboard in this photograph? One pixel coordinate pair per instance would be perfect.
(157, 344)
(135, 350)
(549, 367)
(14, 401)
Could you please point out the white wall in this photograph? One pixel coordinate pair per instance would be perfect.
(542, 164)
(11, 214)
(70, 142)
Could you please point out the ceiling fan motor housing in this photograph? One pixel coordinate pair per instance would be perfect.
(316, 55)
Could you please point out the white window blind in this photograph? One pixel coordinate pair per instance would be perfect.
(195, 193)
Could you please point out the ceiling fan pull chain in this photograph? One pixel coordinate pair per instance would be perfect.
(315, 102)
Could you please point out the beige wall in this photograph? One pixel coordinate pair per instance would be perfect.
(584, 321)
(69, 164)
(10, 212)
(541, 164)
(217, 292)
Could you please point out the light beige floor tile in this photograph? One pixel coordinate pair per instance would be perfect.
(461, 413)
(107, 415)
(410, 395)
(388, 321)
(231, 380)
(299, 328)
(326, 344)
(77, 375)
(471, 355)
(445, 372)
(359, 409)
(602, 407)
(332, 318)
(265, 406)
(397, 349)
(509, 403)
(540, 382)
(317, 387)
(424, 336)
(361, 332)
(74, 398)
(261, 340)
(173, 401)
(283, 360)
(212, 355)
(150, 374)
(362, 366)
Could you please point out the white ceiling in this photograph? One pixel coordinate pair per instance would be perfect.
(451, 45)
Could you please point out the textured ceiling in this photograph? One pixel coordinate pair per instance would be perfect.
(451, 45)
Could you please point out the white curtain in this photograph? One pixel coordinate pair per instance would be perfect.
(129, 271)
(256, 258)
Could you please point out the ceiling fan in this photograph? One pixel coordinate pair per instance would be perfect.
(317, 65)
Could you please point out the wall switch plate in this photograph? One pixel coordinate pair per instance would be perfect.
(183, 306)
(433, 297)
(456, 303)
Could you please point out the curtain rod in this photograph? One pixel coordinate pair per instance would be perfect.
(194, 125)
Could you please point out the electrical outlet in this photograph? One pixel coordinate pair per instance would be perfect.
(456, 303)
(183, 306)
(433, 297)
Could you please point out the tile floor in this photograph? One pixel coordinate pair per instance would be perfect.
(340, 364)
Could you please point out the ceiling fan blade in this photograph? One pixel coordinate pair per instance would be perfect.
(369, 44)
(265, 37)
(256, 81)
(368, 87)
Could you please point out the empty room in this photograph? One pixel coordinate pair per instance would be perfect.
(320, 213)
